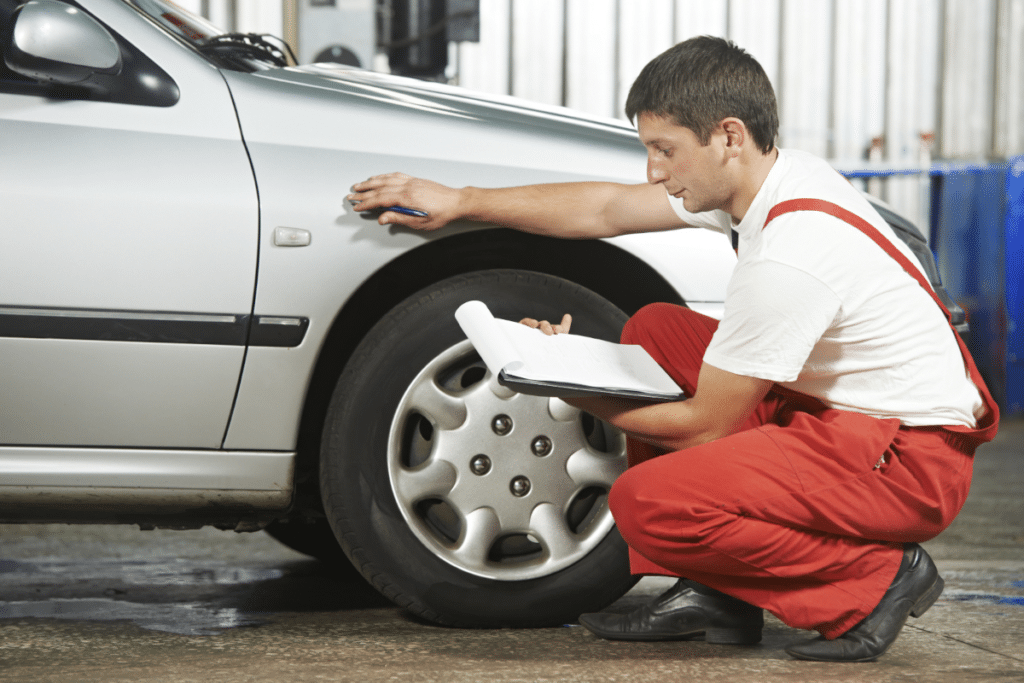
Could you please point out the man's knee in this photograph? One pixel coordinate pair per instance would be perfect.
(649, 318)
(660, 322)
(623, 503)
(638, 510)
(651, 503)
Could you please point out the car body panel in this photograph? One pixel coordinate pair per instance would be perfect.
(122, 208)
(128, 484)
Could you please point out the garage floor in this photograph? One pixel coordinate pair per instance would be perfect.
(83, 604)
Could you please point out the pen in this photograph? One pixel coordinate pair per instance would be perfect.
(407, 212)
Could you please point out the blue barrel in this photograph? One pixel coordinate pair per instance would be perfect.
(1014, 259)
(977, 215)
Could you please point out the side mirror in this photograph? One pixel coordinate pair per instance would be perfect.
(57, 43)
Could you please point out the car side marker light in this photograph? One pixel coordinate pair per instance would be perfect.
(292, 237)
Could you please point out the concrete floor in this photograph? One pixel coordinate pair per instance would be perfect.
(116, 604)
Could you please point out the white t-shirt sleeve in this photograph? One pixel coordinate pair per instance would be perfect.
(774, 315)
(718, 221)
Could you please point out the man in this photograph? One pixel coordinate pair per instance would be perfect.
(832, 420)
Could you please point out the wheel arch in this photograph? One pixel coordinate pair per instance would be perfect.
(585, 262)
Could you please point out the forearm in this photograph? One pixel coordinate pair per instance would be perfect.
(567, 210)
(721, 404)
(670, 426)
(580, 210)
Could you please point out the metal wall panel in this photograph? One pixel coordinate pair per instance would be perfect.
(645, 31)
(755, 26)
(537, 48)
(484, 66)
(591, 55)
(967, 77)
(708, 18)
(1008, 126)
(858, 80)
(804, 84)
(911, 99)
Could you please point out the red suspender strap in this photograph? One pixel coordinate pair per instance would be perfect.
(989, 423)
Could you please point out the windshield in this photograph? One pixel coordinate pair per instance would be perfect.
(182, 23)
(236, 51)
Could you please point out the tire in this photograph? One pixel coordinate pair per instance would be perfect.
(409, 420)
(316, 539)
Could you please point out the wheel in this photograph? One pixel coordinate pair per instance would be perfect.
(316, 539)
(459, 499)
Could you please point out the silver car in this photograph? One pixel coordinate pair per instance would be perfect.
(195, 329)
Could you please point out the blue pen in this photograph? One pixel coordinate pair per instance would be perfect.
(407, 212)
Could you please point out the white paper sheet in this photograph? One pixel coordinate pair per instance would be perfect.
(581, 362)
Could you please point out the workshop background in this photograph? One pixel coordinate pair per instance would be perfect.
(921, 102)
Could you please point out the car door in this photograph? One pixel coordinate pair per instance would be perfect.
(128, 248)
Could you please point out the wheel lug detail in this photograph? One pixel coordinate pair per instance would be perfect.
(519, 486)
(541, 446)
(501, 424)
(480, 465)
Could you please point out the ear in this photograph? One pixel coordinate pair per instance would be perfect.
(735, 135)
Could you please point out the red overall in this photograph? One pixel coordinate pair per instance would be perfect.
(803, 511)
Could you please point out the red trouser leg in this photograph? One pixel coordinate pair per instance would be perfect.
(790, 513)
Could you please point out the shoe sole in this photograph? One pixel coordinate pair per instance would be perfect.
(716, 636)
(648, 637)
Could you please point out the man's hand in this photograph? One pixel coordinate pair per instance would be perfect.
(439, 202)
(546, 327)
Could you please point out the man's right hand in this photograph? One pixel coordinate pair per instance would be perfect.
(439, 202)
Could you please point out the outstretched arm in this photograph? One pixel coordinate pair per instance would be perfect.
(582, 210)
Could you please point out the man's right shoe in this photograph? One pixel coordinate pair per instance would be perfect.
(683, 612)
(914, 590)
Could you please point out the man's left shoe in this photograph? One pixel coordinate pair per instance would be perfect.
(683, 612)
(916, 588)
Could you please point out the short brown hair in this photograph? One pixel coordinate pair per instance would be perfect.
(703, 80)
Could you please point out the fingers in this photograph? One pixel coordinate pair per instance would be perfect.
(391, 217)
(546, 327)
(378, 181)
(565, 324)
(389, 189)
(400, 190)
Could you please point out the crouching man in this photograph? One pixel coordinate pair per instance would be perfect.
(834, 412)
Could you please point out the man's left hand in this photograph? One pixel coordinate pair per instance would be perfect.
(546, 327)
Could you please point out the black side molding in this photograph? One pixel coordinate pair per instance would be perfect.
(164, 327)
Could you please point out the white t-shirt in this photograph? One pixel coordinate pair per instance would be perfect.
(817, 306)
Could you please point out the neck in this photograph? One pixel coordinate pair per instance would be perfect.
(753, 173)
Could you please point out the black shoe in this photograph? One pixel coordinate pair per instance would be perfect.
(916, 588)
(683, 612)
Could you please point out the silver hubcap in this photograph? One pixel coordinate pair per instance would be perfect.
(499, 484)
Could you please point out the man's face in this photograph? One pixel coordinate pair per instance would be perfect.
(688, 170)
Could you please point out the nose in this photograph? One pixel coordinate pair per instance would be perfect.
(655, 173)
